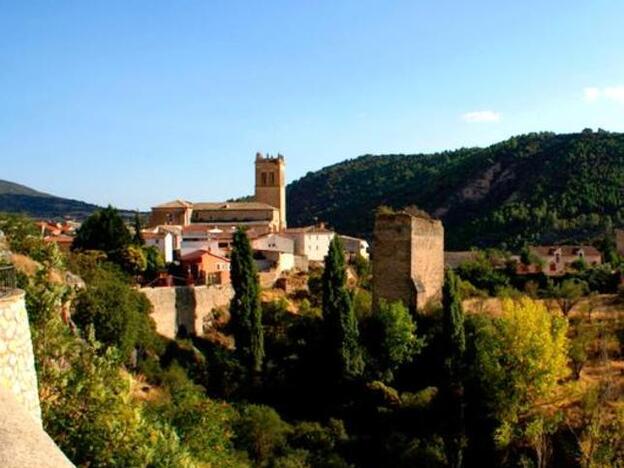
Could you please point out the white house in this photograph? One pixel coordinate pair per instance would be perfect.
(274, 242)
(277, 251)
(311, 241)
(196, 238)
(162, 240)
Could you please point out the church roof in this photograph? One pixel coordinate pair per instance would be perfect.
(248, 206)
(176, 204)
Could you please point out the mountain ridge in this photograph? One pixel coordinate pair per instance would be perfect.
(538, 187)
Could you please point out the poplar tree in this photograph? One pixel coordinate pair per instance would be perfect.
(454, 346)
(138, 235)
(340, 324)
(245, 311)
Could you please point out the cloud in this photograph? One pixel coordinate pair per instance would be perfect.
(481, 116)
(609, 93)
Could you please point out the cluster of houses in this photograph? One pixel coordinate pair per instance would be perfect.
(60, 232)
(198, 236)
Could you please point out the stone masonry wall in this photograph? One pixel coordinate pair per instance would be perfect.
(186, 306)
(428, 258)
(17, 362)
(392, 259)
(408, 259)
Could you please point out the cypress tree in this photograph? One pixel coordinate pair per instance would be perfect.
(454, 346)
(245, 311)
(138, 235)
(340, 324)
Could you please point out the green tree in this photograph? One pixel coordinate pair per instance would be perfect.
(155, 262)
(118, 313)
(245, 311)
(104, 230)
(391, 339)
(261, 432)
(138, 235)
(454, 348)
(341, 331)
(568, 293)
(133, 260)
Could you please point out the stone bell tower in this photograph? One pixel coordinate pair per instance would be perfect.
(271, 183)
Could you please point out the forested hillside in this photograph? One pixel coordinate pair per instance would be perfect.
(540, 187)
(16, 198)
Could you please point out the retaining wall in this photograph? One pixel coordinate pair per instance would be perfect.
(188, 307)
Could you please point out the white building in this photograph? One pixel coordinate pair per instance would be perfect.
(162, 240)
(311, 241)
(277, 251)
(196, 238)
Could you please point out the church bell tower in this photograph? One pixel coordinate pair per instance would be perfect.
(271, 183)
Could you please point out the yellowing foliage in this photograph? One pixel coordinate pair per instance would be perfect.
(522, 356)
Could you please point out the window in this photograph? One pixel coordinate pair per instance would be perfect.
(272, 178)
(264, 178)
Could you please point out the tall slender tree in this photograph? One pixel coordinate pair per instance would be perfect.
(138, 235)
(245, 311)
(454, 342)
(341, 331)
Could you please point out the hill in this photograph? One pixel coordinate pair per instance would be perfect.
(15, 198)
(539, 187)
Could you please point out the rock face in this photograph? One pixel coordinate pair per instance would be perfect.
(17, 362)
(408, 259)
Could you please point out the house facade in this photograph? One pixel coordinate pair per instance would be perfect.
(555, 260)
(312, 241)
(274, 251)
(206, 268)
(162, 240)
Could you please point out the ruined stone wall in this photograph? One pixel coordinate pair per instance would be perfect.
(186, 306)
(428, 259)
(392, 259)
(17, 362)
(408, 259)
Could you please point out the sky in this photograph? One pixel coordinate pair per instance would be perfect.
(135, 103)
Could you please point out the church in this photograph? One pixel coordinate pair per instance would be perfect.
(266, 213)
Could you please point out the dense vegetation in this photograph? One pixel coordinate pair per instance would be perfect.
(539, 187)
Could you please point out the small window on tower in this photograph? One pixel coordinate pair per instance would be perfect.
(272, 178)
(264, 178)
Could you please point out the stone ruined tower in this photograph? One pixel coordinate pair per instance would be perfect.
(271, 183)
(408, 259)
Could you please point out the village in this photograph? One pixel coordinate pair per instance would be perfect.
(407, 255)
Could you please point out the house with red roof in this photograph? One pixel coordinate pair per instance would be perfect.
(203, 267)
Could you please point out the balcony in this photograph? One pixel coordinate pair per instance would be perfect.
(8, 280)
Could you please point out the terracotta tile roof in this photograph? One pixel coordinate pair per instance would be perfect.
(60, 239)
(566, 250)
(153, 235)
(175, 204)
(454, 259)
(249, 206)
(197, 254)
(308, 229)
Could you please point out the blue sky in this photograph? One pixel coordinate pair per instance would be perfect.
(138, 102)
